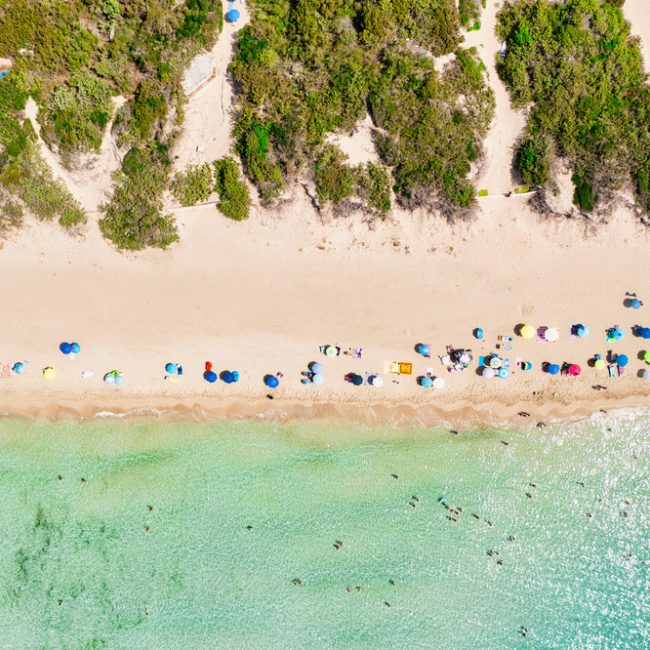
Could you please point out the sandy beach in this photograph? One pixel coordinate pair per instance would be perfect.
(262, 296)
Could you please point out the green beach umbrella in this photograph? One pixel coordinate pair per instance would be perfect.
(330, 351)
(646, 356)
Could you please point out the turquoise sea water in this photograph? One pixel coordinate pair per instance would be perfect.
(78, 568)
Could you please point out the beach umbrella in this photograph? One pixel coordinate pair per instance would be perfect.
(552, 369)
(232, 16)
(478, 333)
(210, 376)
(504, 373)
(635, 303)
(574, 370)
(49, 373)
(376, 381)
(615, 334)
(330, 351)
(318, 379)
(18, 367)
(646, 375)
(495, 362)
(271, 381)
(488, 373)
(119, 378)
(356, 380)
(65, 347)
(581, 331)
(646, 356)
(426, 382)
(438, 383)
(75, 348)
(423, 349)
(235, 375)
(208, 365)
(552, 334)
(464, 358)
(599, 364)
(622, 360)
(644, 332)
(171, 369)
(227, 377)
(316, 367)
(527, 332)
(109, 377)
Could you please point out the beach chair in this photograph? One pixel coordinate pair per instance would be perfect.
(391, 368)
(481, 360)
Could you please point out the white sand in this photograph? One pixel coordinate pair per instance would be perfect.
(495, 175)
(359, 146)
(638, 13)
(208, 117)
(262, 295)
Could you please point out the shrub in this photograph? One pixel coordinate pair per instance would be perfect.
(532, 160)
(335, 180)
(599, 120)
(11, 215)
(234, 198)
(194, 185)
(374, 187)
(134, 218)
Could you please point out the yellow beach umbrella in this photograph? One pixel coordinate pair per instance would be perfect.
(527, 332)
(49, 373)
(599, 364)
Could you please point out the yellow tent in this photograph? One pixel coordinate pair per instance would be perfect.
(405, 368)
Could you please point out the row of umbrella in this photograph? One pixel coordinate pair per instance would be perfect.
(70, 348)
(431, 382)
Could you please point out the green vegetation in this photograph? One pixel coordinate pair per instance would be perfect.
(23, 172)
(470, 13)
(307, 68)
(578, 66)
(73, 56)
(234, 197)
(194, 185)
(135, 218)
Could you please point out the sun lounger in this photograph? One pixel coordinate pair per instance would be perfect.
(481, 360)
(391, 368)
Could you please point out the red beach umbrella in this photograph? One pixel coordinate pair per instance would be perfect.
(574, 370)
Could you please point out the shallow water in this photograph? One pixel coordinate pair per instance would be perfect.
(79, 570)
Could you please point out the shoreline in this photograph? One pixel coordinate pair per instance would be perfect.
(397, 416)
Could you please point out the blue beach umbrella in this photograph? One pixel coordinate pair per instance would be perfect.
(580, 330)
(171, 369)
(317, 379)
(504, 373)
(622, 360)
(18, 367)
(75, 348)
(232, 16)
(644, 332)
(65, 347)
(426, 382)
(271, 381)
(423, 349)
(235, 375)
(552, 369)
(478, 333)
(228, 377)
(316, 367)
(356, 380)
(635, 303)
(210, 376)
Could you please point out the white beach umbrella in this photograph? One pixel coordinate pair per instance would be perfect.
(376, 381)
(488, 373)
(438, 383)
(317, 379)
(552, 334)
(646, 375)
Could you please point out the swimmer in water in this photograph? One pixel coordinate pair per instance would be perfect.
(395, 476)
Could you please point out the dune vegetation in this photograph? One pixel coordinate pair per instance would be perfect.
(579, 72)
(304, 69)
(73, 56)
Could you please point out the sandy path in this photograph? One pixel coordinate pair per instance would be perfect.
(495, 175)
(206, 131)
(90, 183)
(638, 13)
